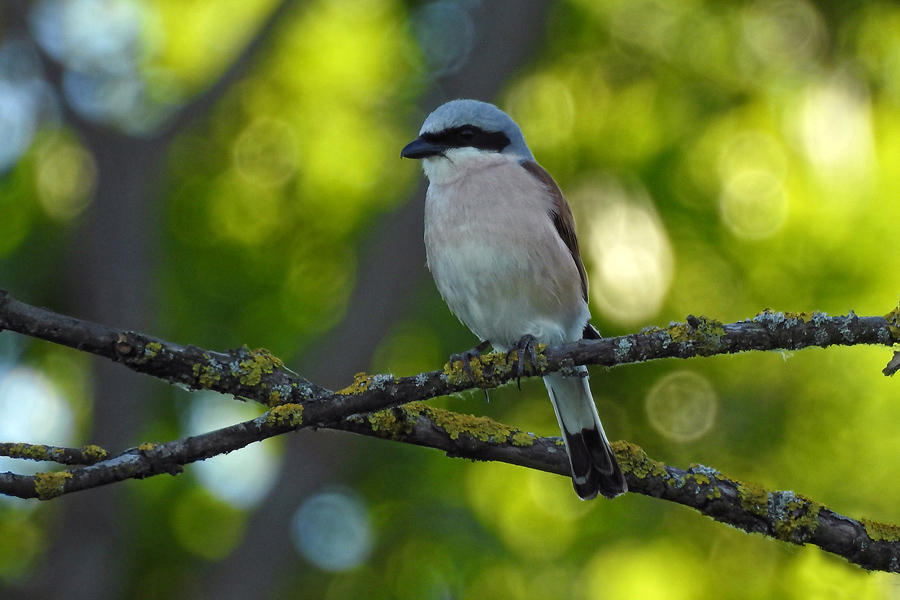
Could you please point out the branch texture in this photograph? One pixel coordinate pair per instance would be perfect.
(390, 407)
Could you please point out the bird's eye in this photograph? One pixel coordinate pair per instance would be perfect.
(466, 134)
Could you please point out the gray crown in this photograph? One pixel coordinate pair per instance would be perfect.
(488, 117)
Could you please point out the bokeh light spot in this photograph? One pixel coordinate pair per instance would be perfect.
(333, 531)
(31, 410)
(753, 204)
(90, 35)
(265, 153)
(105, 47)
(682, 406)
(649, 24)
(751, 149)
(241, 478)
(836, 127)
(65, 178)
(17, 123)
(784, 32)
(25, 99)
(446, 34)
(243, 212)
(631, 259)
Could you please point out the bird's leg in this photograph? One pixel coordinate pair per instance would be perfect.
(526, 344)
(466, 359)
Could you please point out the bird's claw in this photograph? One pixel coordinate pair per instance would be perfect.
(526, 344)
(466, 359)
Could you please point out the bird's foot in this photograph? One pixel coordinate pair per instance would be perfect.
(520, 348)
(466, 359)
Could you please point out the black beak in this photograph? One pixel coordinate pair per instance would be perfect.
(419, 148)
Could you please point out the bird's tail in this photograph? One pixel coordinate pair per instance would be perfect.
(594, 466)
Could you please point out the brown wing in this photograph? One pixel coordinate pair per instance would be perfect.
(562, 218)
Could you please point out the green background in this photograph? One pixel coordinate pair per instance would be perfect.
(720, 158)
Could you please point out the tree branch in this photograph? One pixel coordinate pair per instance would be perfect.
(257, 375)
(86, 455)
(388, 407)
(781, 515)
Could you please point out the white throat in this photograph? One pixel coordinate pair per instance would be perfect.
(460, 162)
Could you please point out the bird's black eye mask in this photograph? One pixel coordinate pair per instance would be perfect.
(468, 136)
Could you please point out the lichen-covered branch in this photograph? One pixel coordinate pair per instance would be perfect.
(257, 375)
(86, 455)
(150, 459)
(390, 407)
(781, 515)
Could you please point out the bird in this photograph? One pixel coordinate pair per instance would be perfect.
(500, 244)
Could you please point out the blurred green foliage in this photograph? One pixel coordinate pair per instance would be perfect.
(720, 157)
(272, 190)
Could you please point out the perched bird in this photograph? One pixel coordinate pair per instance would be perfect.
(500, 243)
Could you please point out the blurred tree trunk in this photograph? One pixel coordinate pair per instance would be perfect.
(112, 280)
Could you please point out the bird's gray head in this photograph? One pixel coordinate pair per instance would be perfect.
(468, 124)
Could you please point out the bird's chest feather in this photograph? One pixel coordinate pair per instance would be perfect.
(475, 228)
(495, 255)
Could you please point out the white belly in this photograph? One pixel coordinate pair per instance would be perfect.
(498, 261)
